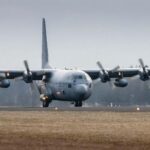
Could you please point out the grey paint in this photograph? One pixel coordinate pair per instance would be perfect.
(44, 46)
(65, 85)
(105, 30)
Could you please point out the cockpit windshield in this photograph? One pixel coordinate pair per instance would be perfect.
(80, 78)
(76, 77)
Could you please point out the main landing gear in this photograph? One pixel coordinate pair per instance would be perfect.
(78, 103)
(46, 103)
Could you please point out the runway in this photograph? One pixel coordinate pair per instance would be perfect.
(101, 108)
(79, 128)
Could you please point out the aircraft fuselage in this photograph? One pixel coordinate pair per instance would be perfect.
(69, 85)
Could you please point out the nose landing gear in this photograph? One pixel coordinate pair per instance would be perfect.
(45, 100)
(46, 103)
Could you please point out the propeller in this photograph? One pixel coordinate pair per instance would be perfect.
(104, 76)
(27, 77)
(103, 73)
(142, 64)
(26, 66)
(101, 67)
(144, 73)
(27, 74)
(115, 69)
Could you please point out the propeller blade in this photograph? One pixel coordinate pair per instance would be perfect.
(32, 88)
(116, 68)
(111, 84)
(101, 67)
(141, 63)
(33, 91)
(26, 66)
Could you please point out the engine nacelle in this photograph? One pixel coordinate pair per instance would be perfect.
(121, 82)
(4, 83)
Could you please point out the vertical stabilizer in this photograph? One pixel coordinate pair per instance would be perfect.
(45, 61)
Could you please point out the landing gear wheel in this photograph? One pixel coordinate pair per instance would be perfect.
(46, 103)
(78, 103)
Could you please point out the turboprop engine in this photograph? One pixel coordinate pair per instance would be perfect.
(4, 83)
(121, 82)
(103, 74)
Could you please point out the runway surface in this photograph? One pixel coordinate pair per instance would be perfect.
(86, 128)
(113, 109)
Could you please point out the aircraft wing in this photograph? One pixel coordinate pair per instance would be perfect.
(94, 74)
(14, 74)
(129, 72)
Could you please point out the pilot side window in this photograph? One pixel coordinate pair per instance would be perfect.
(90, 85)
(69, 85)
(80, 77)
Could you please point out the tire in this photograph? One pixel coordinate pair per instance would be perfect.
(78, 103)
(46, 103)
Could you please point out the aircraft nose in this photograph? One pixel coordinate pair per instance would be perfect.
(81, 90)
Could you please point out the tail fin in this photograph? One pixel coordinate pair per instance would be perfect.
(45, 61)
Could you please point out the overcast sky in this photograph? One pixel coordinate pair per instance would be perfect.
(80, 32)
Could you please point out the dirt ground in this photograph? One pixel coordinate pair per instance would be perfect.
(65, 130)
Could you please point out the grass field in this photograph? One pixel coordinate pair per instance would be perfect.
(67, 130)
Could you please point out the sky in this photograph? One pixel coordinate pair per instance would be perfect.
(79, 32)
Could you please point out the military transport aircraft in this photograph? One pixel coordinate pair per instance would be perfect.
(68, 85)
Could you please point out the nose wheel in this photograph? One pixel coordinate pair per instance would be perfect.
(78, 103)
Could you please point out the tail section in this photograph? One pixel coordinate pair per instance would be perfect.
(45, 60)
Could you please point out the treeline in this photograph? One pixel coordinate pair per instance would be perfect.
(136, 93)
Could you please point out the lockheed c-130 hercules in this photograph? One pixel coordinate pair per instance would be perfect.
(68, 85)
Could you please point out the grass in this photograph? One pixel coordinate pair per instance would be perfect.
(74, 130)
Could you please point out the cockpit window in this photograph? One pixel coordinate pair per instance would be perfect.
(78, 77)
